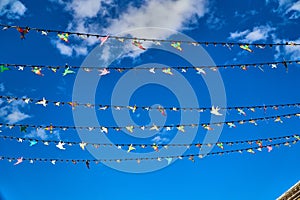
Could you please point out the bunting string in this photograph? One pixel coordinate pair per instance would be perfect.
(213, 110)
(251, 150)
(69, 70)
(60, 144)
(130, 128)
(137, 41)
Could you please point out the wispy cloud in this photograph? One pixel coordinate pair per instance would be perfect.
(16, 116)
(2, 88)
(157, 13)
(246, 14)
(238, 34)
(170, 14)
(11, 111)
(287, 8)
(82, 11)
(295, 10)
(258, 33)
(215, 22)
(280, 3)
(64, 49)
(42, 134)
(68, 50)
(288, 52)
(84, 8)
(12, 9)
(160, 140)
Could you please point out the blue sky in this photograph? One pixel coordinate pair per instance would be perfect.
(261, 175)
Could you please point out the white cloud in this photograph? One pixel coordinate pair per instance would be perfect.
(158, 13)
(295, 6)
(244, 14)
(281, 3)
(64, 49)
(257, 33)
(286, 51)
(16, 116)
(2, 88)
(295, 15)
(293, 51)
(287, 7)
(168, 14)
(17, 8)
(84, 8)
(238, 34)
(56, 134)
(42, 134)
(68, 50)
(81, 50)
(215, 22)
(105, 53)
(296, 9)
(160, 140)
(13, 9)
(38, 133)
(163, 15)
(11, 112)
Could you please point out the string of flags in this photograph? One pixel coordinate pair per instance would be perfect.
(257, 145)
(65, 36)
(130, 147)
(168, 159)
(215, 110)
(154, 127)
(201, 70)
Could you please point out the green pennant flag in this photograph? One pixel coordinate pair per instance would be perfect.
(3, 68)
(23, 129)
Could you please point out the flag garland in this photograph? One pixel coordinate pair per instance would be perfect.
(68, 70)
(64, 36)
(59, 143)
(179, 127)
(251, 150)
(213, 110)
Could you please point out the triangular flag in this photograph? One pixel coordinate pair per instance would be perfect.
(68, 71)
(138, 44)
(155, 147)
(63, 36)
(82, 145)
(167, 71)
(103, 39)
(3, 68)
(130, 128)
(220, 144)
(181, 128)
(176, 45)
(130, 148)
(22, 32)
(269, 148)
(246, 47)
(103, 72)
(37, 71)
(19, 160)
(169, 160)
